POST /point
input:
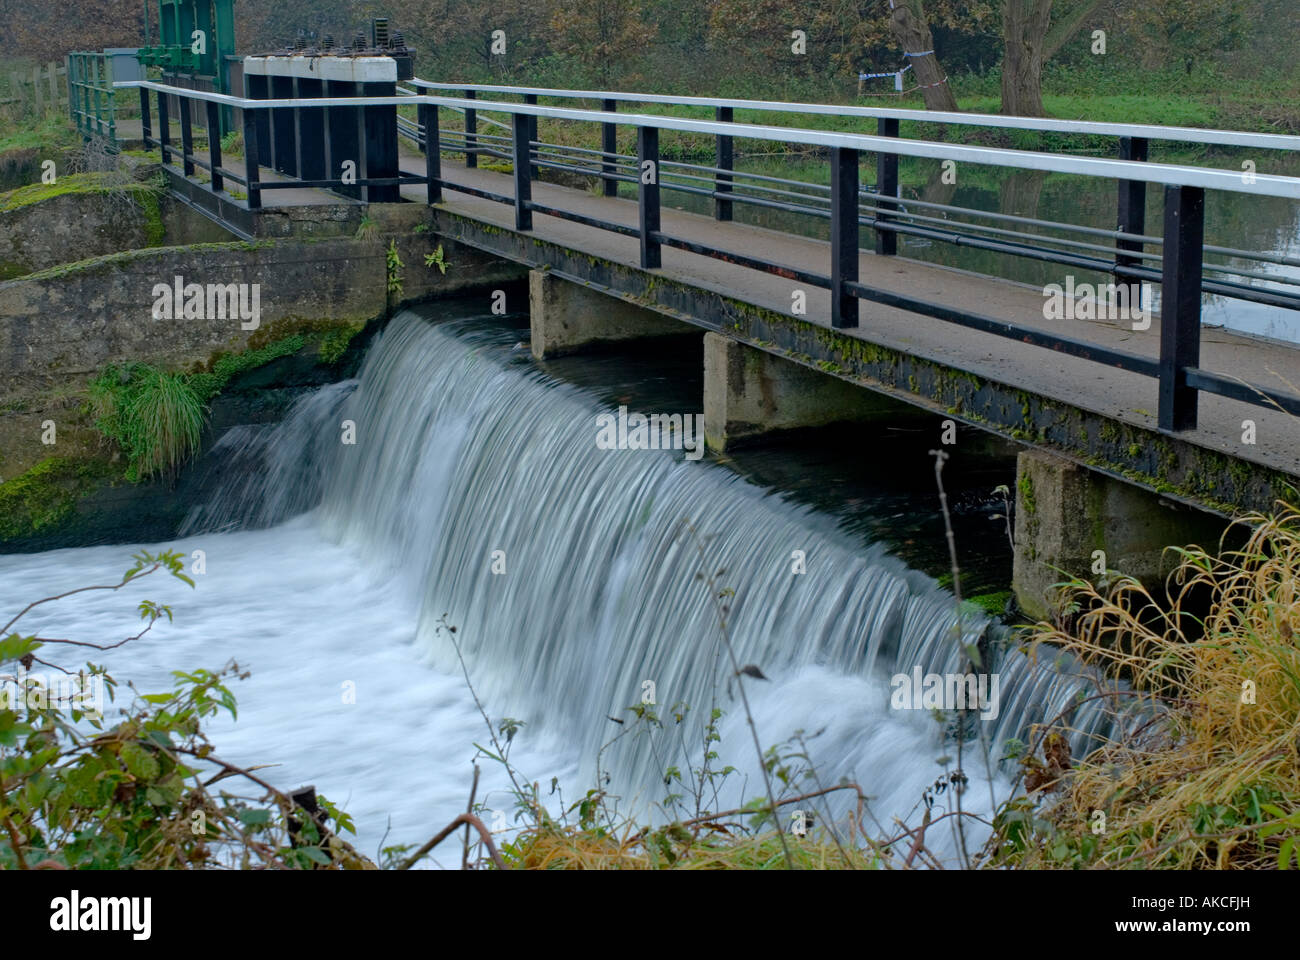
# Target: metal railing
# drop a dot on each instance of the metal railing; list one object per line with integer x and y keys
{"x": 1180, "y": 271}
{"x": 92, "y": 99}
{"x": 728, "y": 186}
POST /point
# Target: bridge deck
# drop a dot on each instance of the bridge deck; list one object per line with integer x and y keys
{"x": 1125, "y": 396}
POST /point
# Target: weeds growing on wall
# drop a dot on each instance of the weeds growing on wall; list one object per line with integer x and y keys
{"x": 154, "y": 416}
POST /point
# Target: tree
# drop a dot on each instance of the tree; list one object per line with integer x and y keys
{"x": 909, "y": 24}
{"x": 608, "y": 35}
{"x": 1186, "y": 30}
{"x": 1030, "y": 39}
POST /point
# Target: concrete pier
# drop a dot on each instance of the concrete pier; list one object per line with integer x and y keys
{"x": 1072, "y": 521}
{"x": 748, "y": 392}
{"x": 567, "y": 316}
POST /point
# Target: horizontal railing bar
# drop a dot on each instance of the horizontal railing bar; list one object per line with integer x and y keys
{"x": 404, "y": 179}
{"x": 1235, "y": 389}
{"x": 580, "y": 218}
{"x": 1229, "y": 180}
{"x": 476, "y": 192}
{"x": 1234, "y": 138}
{"x": 1075, "y": 348}
{"x": 754, "y": 263}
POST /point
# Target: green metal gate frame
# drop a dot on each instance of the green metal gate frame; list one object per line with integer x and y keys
{"x": 92, "y": 102}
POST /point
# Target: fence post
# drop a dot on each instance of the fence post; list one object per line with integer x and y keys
{"x": 432, "y": 152}
{"x": 214, "y": 145}
{"x": 471, "y": 128}
{"x": 36, "y": 91}
{"x": 722, "y": 181}
{"x": 145, "y": 132}
{"x": 609, "y": 146}
{"x": 164, "y": 129}
{"x": 1132, "y": 217}
{"x": 187, "y": 138}
{"x": 523, "y": 182}
{"x": 251, "y": 172}
{"x": 532, "y": 131}
{"x": 844, "y": 235}
{"x": 1180, "y": 305}
{"x": 54, "y": 84}
{"x": 886, "y": 186}
{"x": 647, "y": 155}
{"x": 99, "y": 96}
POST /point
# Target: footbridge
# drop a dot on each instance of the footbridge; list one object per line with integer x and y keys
{"x": 1107, "y": 376}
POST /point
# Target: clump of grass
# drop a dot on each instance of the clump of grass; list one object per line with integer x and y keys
{"x": 550, "y": 846}
{"x": 154, "y": 416}
{"x": 1211, "y": 777}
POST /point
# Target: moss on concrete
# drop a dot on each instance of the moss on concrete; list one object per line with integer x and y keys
{"x": 73, "y": 183}
{"x": 46, "y": 495}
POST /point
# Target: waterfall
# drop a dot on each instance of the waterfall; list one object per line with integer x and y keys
{"x": 464, "y": 461}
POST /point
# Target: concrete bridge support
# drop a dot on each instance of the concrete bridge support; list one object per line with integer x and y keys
{"x": 1072, "y": 519}
{"x": 748, "y": 392}
{"x": 567, "y": 316}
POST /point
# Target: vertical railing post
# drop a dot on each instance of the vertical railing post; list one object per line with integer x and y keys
{"x": 1180, "y": 305}
{"x": 145, "y": 125}
{"x": 532, "y": 131}
{"x": 432, "y": 152}
{"x": 844, "y": 235}
{"x": 647, "y": 155}
{"x": 164, "y": 129}
{"x": 609, "y": 147}
{"x": 722, "y": 181}
{"x": 251, "y": 172}
{"x": 886, "y": 186}
{"x": 1132, "y": 216}
{"x": 471, "y": 128}
{"x": 187, "y": 138}
{"x": 99, "y": 97}
{"x": 522, "y": 129}
{"x": 214, "y": 146}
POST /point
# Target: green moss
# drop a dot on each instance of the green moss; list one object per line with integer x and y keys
{"x": 1027, "y": 501}
{"x": 992, "y": 603}
{"x": 334, "y": 344}
{"x": 155, "y": 231}
{"x": 73, "y": 183}
{"x": 225, "y": 366}
{"x": 46, "y": 495}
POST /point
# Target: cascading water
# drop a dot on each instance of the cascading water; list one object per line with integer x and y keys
{"x": 464, "y": 461}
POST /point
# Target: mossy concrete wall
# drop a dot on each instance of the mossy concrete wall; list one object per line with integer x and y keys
{"x": 61, "y": 327}
{"x": 79, "y": 225}
{"x": 749, "y": 392}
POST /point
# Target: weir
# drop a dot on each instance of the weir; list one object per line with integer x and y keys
{"x": 569, "y": 572}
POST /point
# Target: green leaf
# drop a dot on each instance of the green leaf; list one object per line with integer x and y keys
{"x": 140, "y": 762}
{"x": 315, "y": 856}
{"x": 1284, "y": 855}
{"x": 252, "y": 818}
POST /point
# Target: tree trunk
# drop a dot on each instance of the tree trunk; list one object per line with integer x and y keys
{"x": 913, "y": 32}
{"x": 1024, "y": 26}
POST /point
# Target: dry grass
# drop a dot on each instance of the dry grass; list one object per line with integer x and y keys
{"x": 1211, "y": 778}
{"x": 554, "y": 847}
